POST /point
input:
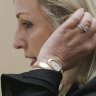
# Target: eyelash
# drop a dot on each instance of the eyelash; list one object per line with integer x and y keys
{"x": 27, "y": 24}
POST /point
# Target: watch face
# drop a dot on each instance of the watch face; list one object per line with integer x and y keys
{"x": 55, "y": 65}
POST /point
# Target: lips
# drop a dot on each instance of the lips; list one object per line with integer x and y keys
{"x": 33, "y": 61}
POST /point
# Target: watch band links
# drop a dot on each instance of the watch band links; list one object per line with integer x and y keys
{"x": 42, "y": 65}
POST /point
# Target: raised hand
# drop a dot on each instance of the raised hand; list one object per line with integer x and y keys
{"x": 70, "y": 44}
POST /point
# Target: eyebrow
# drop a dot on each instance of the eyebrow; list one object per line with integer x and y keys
{"x": 18, "y": 15}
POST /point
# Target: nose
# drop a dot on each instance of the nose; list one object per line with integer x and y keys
{"x": 19, "y": 42}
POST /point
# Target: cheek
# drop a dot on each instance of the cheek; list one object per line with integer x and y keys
{"x": 37, "y": 39}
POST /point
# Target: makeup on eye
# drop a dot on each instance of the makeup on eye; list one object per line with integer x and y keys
{"x": 27, "y": 24}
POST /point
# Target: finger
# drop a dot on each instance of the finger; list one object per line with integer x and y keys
{"x": 90, "y": 44}
{"x": 92, "y": 30}
{"x": 74, "y": 19}
{"x": 86, "y": 21}
{"x": 93, "y": 26}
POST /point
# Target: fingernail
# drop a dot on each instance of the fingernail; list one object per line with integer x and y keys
{"x": 82, "y": 9}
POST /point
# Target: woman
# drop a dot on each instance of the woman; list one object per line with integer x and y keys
{"x": 48, "y": 38}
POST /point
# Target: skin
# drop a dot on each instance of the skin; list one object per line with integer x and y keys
{"x": 33, "y": 27}
{"x": 69, "y": 37}
{"x": 35, "y": 40}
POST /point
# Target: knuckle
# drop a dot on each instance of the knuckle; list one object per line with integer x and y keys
{"x": 89, "y": 22}
{"x": 88, "y": 18}
{"x": 72, "y": 22}
{"x": 63, "y": 31}
{"x": 75, "y": 19}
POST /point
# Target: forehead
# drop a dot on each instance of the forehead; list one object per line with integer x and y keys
{"x": 26, "y": 6}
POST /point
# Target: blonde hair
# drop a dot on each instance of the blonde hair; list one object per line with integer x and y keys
{"x": 57, "y": 11}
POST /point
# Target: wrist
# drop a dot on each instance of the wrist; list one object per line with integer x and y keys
{"x": 49, "y": 63}
{"x": 41, "y": 65}
{"x": 46, "y": 58}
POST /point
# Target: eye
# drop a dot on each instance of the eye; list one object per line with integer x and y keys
{"x": 27, "y": 24}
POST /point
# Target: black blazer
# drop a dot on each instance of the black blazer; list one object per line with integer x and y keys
{"x": 41, "y": 83}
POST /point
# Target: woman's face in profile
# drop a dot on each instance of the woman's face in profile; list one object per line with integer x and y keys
{"x": 33, "y": 27}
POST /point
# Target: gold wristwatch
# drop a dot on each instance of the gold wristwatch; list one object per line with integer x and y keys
{"x": 51, "y": 64}
{"x": 55, "y": 64}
